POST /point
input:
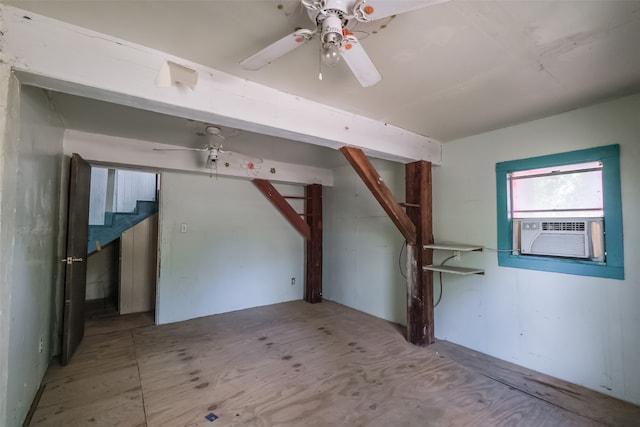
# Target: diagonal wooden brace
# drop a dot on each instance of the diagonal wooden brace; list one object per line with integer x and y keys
{"x": 381, "y": 192}
{"x": 283, "y": 206}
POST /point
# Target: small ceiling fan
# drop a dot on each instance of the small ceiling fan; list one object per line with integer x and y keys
{"x": 214, "y": 151}
{"x": 334, "y": 22}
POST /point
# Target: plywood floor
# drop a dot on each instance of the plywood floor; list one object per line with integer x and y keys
{"x": 296, "y": 364}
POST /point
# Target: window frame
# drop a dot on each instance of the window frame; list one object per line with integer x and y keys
{"x": 613, "y": 266}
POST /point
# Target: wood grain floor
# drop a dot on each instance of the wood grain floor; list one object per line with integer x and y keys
{"x": 296, "y": 364}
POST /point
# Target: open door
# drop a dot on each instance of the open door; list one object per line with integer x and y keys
{"x": 76, "y": 260}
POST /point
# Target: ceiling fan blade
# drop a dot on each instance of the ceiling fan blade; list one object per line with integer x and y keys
{"x": 180, "y": 149}
{"x": 378, "y": 9}
{"x": 360, "y": 63}
{"x": 275, "y": 50}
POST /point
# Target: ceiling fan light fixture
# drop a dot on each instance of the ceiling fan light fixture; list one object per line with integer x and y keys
{"x": 212, "y": 158}
{"x": 330, "y": 54}
{"x": 331, "y": 39}
{"x": 331, "y": 22}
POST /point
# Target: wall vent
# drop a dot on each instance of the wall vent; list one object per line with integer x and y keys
{"x": 563, "y": 226}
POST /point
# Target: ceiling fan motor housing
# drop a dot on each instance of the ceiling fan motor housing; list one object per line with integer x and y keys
{"x": 212, "y": 157}
{"x": 332, "y": 29}
{"x": 331, "y": 17}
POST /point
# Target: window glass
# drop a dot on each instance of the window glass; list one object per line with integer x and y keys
{"x": 563, "y": 191}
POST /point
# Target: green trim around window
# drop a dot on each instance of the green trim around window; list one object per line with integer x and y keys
{"x": 613, "y": 267}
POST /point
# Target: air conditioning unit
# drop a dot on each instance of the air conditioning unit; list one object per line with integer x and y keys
{"x": 561, "y": 237}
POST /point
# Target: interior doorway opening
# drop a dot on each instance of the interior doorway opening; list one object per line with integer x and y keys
{"x": 123, "y": 241}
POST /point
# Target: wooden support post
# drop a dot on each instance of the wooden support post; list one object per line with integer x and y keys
{"x": 283, "y": 206}
{"x": 313, "y": 271}
{"x": 416, "y": 227}
{"x": 381, "y": 192}
{"x": 310, "y": 228}
{"x": 420, "y": 329}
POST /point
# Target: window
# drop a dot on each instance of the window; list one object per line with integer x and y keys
{"x": 562, "y": 213}
{"x": 573, "y": 190}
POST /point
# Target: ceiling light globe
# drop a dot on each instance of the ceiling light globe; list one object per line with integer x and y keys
{"x": 330, "y": 54}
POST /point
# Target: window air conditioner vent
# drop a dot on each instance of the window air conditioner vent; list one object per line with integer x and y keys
{"x": 564, "y": 225}
{"x": 561, "y": 237}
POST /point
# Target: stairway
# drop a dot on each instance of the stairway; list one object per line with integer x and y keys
{"x": 116, "y": 223}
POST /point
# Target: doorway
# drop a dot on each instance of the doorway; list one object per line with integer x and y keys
{"x": 123, "y": 239}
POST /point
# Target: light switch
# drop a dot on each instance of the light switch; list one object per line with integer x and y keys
{"x": 183, "y": 227}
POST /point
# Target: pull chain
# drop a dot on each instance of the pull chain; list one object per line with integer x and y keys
{"x": 320, "y": 62}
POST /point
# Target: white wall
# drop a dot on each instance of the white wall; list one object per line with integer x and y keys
{"x": 132, "y": 186}
{"x": 362, "y": 246}
{"x": 103, "y": 269}
{"x": 238, "y": 251}
{"x": 9, "y": 133}
{"x": 98, "y": 195}
{"x": 581, "y": 329}
{"x": 34, "y": 267}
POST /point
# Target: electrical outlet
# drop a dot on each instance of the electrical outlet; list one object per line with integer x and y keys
{"x": 183, "y": 227}
{"x": 41, "y": 345}
{"x": 293, "y": 281}
{"x": 456, "y": 255}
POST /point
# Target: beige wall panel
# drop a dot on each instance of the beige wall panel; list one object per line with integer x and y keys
{"x": 138, "y": 267}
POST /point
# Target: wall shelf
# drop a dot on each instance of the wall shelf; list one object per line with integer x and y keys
{"x": 451, "y": 246}
{"x": 463, "y": 271}
{"x": 456, "y": 248}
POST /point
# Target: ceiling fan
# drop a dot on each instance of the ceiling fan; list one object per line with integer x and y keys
{"x": 334, "y": 22}
{"x": 214, "y": 151}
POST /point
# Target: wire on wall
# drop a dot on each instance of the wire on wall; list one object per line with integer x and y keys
{"x": 440, "y": 276}
{"x": 404, "y": 245}
{"x": 401, "y": 267}
{"x": 501, "y": 250}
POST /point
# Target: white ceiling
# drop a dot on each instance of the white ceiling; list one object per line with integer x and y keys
{"x": 450, "y": 70}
